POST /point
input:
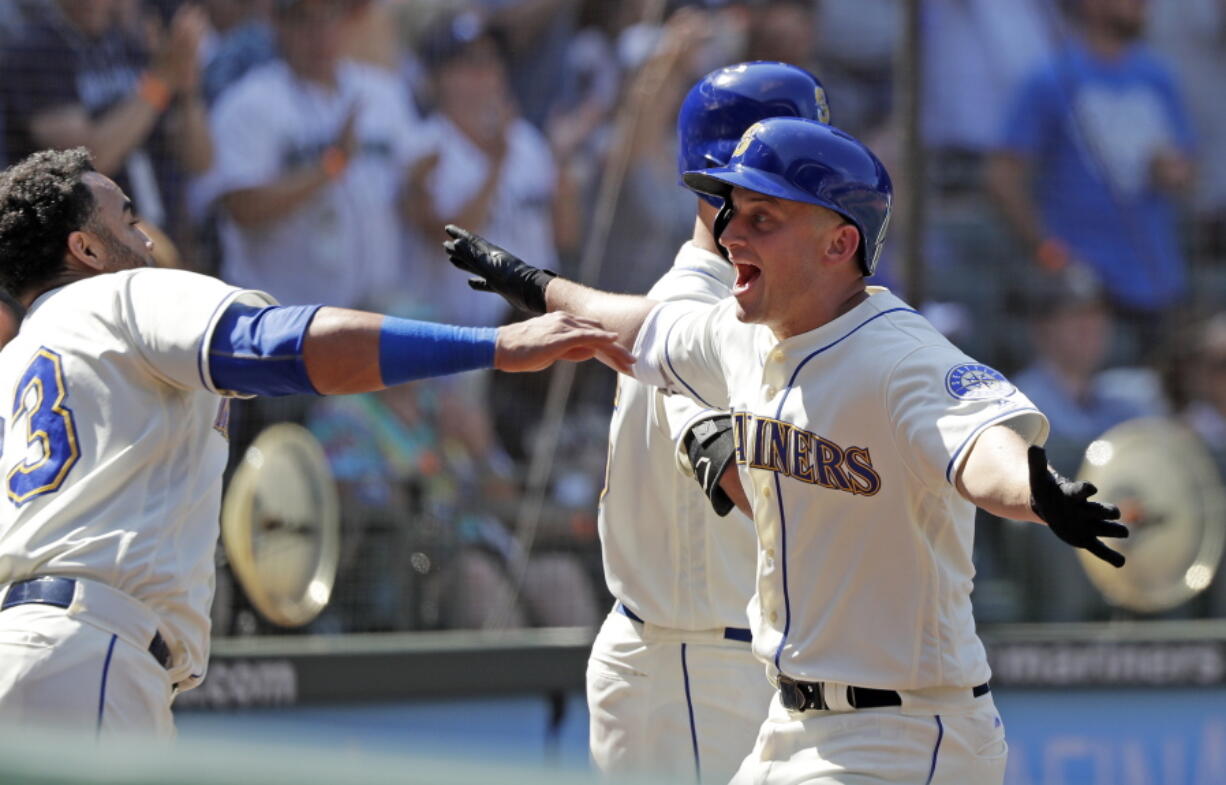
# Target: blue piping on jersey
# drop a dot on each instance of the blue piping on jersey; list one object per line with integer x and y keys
{"x": 689, "y": 705}
{"x": 932, "y": 770}
{"x": 106, "y": 669}
{"x": 1002, "y": 416}
{"x": 668, "y": 359}
{"x": 783, "y": 527}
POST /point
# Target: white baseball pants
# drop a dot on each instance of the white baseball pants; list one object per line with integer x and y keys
{"x": 961, "y": 746}
{"x": 83, "y": 669}
{"x": 685, "y": 706}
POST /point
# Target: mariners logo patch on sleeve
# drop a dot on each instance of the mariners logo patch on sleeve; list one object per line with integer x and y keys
{"x": 977, "y": 382}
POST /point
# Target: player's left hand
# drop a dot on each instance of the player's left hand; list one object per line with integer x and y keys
{"x": 498, "y": 270}
{"x": 1066, "y": 508}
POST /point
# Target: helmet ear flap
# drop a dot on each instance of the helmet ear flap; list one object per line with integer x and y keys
{"x": 722, "y": 218}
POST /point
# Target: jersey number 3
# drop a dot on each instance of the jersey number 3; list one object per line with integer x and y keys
{"x": 52, "y": 448}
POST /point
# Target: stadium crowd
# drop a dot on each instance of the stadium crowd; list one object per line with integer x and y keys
{"x": 1074, "y": 231}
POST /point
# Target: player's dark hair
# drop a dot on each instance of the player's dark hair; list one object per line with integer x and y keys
{"x": 42, "y": 201}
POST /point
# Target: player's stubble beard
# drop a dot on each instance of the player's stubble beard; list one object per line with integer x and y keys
{"x": 121, "y": 256}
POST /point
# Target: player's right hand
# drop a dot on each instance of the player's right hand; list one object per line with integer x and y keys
{"x": 1066, "y": 508}
{"x": 498, "y": 270}
{"x": 535, "y": 344}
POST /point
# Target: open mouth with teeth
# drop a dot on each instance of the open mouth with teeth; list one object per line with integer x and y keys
{"x": 746, "y": 275}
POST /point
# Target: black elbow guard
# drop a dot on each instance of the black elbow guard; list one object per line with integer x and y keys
{"x": 710, "y": 447}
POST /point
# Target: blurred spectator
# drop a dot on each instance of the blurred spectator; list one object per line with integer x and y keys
{"x": 537, "y": 33}
{"x": 857, "y": 42}
{"x": 242, "y": 39}
{"x": 1095, "y": 145}
{"x": 488, "y": 169}
{"x": 1197, "y": 386}
{"x": 75, "y": 77}
{"x": 1071, "y": 331}
{"x": 312, "y": 155}
{"x": 653, "y": 212}
{"x": 14, "y": 15}
{"x": 1202, "y": 390}
{"x": 975, "y": 53}
{"x": 1192, "y": 35}
{"x": 784, "y": 30}
{"x": 1070, "y": 328}
{"x": 427, "y": 491}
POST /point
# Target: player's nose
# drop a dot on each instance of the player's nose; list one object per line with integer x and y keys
{"x": 733, "y": 236}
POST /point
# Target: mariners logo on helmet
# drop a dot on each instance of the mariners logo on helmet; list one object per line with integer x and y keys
{"x": 743, "y": 145}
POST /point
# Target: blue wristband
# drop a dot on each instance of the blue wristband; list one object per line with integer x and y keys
{"x": 409, "y": 349}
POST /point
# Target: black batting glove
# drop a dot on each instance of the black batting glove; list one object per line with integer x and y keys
{"x": 498, "y": 270}
{"x": 710, "y": 447}
{"x": 1066, "y": 508}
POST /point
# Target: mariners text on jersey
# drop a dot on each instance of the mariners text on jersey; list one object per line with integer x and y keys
{"x": 764, "y": 443}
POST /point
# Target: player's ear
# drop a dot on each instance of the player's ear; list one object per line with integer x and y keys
{"x": 83, "y": 249}
{"x": 844, "y": 242}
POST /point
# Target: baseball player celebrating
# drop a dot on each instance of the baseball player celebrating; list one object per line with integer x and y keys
{"x": 864, "y": 441}
{"x": 672, "y": 684}
{"x": 114, "y": 438}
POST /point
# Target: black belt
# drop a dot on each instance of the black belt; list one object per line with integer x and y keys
{"x": 50, "y": 590}
{"x": 730, "y": 633}
{"x": 806, "y": 695}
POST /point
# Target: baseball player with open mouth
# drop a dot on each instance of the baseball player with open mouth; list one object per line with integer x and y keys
{"x": 672, "y": 683}
{"x": 864, "y": 440}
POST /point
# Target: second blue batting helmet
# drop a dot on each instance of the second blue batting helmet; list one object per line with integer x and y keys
{"x": 807, "y": 161}
{"x": 725, "y": 102}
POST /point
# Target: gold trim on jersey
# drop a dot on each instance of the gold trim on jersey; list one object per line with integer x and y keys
{"x": 30, "y": 413}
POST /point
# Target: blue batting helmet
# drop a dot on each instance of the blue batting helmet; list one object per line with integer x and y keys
{"x": 728, "y": 100}
{"x": 807, "y": 161}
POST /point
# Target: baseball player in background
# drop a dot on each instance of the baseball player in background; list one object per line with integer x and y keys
{"x": 864, "y": 440}
{"x": 114, "y": 438}
{"x": 673, "y": 687}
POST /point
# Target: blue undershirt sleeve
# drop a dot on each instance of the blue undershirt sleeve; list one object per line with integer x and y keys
{"x": 258, "y": 350}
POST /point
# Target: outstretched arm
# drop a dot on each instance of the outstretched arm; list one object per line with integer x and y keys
{"x": 278, "y": 350}
{"x": 1010, "y": 479}
{"x": 535, "y": 290}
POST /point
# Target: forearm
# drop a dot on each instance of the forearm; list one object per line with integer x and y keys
{"x": 620, "y": 313}
{"x": 995, "y": 475}
{"x": 1008, "y": 182}
{"x": 193, "y": 142}
{"x": 348, "y": 351}
{"x": 730, "y": 482}
{"x": 109, "y": 139}
{"x": 476, "y": 211}
{"x": 251, "y": 207}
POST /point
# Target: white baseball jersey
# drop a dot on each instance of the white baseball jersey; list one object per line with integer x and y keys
{"x": 667, "y": 555}
{"x": 849, "y": 437}
{"x": 520, "y": 216}
{"x": 343, "y": 244}
{"x": 115, "y": 442}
